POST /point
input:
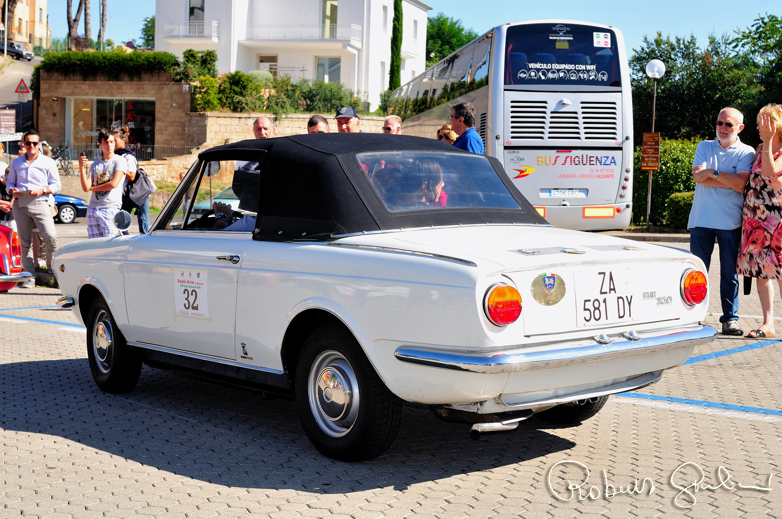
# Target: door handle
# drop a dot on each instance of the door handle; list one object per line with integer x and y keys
{"x": 233, "y": 258}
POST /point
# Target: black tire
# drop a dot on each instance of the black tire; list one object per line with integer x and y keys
{"x": 66, "y": 213}
{"x": 364, "y": 423}
{"x": 573, "y": 413}
{"x": 114, "y": 367}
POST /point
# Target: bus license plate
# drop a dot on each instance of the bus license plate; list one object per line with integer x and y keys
{"x": 604, "y": 296}
{"x": 567, "y": 193}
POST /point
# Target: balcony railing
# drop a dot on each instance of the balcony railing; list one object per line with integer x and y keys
{"x": 193, "y": 30}
{"x": 295, "y": 73}
{"x": 305, "y": 32}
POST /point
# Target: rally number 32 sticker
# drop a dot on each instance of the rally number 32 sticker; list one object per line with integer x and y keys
{"x": 190, "y": 293}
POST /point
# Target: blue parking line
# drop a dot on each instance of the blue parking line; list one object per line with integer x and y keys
{"x": 27, "y": 308}
{"x": 717, "y": 354}
{"x": 41, "y": 320}
{"x": 705, "y": 403}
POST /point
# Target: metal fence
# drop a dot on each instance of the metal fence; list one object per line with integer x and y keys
{"x": 142, "y": 151}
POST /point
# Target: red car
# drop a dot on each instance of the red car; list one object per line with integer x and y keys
{"x": 10, "y": 259}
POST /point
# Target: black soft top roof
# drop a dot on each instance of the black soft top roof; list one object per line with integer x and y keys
{"x": 312, "y": 186}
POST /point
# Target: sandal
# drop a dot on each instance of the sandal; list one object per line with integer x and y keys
{"x": 760, "y": 334}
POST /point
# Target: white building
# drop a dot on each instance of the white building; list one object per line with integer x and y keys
{"x": 333, "y": 40}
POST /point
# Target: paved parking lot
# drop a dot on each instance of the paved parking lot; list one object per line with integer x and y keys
{"x": 704, "y": 442}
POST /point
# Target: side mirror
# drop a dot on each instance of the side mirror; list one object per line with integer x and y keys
{"x": 122, "y": 220}
{"x": 212, "y": 168}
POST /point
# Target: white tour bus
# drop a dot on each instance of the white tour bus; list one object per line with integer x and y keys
{"x": 553, "y": 104}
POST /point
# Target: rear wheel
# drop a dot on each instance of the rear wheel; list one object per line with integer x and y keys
{"x": 346, "y": 410}
{"x": 66, "y": 213}
{"x": 113, "y": 365}
{"x": 573, "y": 413}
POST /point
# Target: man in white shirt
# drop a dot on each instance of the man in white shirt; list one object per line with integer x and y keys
{"x": 32, "y": 178}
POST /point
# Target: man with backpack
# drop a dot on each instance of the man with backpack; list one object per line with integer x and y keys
{"x": 132, "y": 177}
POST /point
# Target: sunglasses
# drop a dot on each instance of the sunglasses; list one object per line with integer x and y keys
{"x": 440, "y": 137}
{"x": 31, "y": 143}
{"x": 729, "y": 125}
{"x": 387, "y": 129}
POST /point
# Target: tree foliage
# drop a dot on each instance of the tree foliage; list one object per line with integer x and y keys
{"x": 697, "y": 84}
{"x": 194, "y": 64}
{"x": 445, "y": 35}
{"x": 762, "y": 44}
{"x": 148, "y": 33}
{"x": 395, "y": 72}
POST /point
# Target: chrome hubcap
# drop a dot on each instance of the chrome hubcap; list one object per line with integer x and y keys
{"x": 102, "y": 342}
{"x": 333, "y": 393}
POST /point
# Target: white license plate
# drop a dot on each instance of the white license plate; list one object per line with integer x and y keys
{"x": 567, "y": 193}
{"x": 605, "y": 296}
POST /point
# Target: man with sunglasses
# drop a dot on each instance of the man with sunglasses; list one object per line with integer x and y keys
{"x": 720, "y": 170}
{"x": 393, "y": 125}
{"x": 32, "y": 178}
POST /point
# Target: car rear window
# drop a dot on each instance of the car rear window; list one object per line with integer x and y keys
{"x": 411, "y": 181}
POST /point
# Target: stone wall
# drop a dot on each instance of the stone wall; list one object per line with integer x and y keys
{"x": 207, "y": 129}
{"x": 172, "y": 103}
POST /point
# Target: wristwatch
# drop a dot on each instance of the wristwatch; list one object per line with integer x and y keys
{"x": 716, "y": 174}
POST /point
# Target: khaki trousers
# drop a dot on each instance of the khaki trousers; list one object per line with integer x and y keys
{"x": 36, "y": 214}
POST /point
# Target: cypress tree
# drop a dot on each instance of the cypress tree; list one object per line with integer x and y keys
{"x": 395, "y": 73}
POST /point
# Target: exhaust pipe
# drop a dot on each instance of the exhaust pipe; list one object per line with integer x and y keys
{"x": 479, "y": 428}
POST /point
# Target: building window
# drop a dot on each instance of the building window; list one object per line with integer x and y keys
{"x": 385, "y": 19}
{"x": 383, "y": 77}
{"x": 328, "y": 70}
{"x": 40, "y": 15}
{"x": 415, "y": 30}
{"x": 329, "y": 19}
{"x": 268, "y": 63}
{"x": 195, "y": 18}
{"x": 136, "y": 116}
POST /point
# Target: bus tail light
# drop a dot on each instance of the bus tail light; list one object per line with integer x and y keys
{"x": 502, "y": 304}
{"x": 16, "y": 251}
{"x": 694, "y": 287}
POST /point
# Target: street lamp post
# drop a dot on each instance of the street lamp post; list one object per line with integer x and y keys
{"x": 655, "y": 70}
{"x": 130, "y": 38}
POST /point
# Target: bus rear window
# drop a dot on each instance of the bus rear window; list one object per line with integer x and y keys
{"x": 561, "y": 54}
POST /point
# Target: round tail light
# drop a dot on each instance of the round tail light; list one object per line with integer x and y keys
{"x": 502, "y": 304}
{"x": 694, "y": 287}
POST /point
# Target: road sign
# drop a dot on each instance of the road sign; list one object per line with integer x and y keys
{"x": 650, "y": 152}
{"x": 21, "y": 88}
{"x": 10, "y": 137}
{"x": 7, "y": 121}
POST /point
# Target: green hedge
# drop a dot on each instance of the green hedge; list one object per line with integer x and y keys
{"x": 674, "y": 176}
{"x": 677, "y": 209}
{"x": 113, "y": 64}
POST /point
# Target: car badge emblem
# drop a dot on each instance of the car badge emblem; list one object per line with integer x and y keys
{"x": 549, "y": 282}
{"x": 548, "y": 288}
{"x": 529, "y": 252}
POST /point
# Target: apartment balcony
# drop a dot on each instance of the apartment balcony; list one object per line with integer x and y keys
{"x": 192, "y": 32}
{"x": 351, "y": 34}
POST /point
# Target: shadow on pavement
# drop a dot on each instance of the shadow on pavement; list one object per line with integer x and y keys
{"x": 232, "y": 437}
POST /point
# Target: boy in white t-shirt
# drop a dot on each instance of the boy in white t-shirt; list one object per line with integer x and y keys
{"x": 105, "y": 184}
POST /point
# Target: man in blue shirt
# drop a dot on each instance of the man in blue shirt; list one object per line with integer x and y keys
{"x": 720, "y": 170}
{"x": 463, "y": 122}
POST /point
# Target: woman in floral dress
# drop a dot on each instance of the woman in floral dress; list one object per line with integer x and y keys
{"x": 761, "y": 242}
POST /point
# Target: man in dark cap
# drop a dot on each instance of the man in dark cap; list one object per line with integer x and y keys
{"x": 348, "y": 120}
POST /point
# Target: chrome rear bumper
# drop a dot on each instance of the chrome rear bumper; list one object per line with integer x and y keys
{"x": 15, "y": 278}
{"x": 573, "y": 353}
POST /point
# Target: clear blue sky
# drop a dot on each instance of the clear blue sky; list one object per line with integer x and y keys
{"x": 634, "y": 19}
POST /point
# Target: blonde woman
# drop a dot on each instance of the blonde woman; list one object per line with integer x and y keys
{"x": 446, "y": 133}
{"x": 760, "y": 255}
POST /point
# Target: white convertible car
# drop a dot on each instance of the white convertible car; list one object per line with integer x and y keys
{"x": 380, "y": 270}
